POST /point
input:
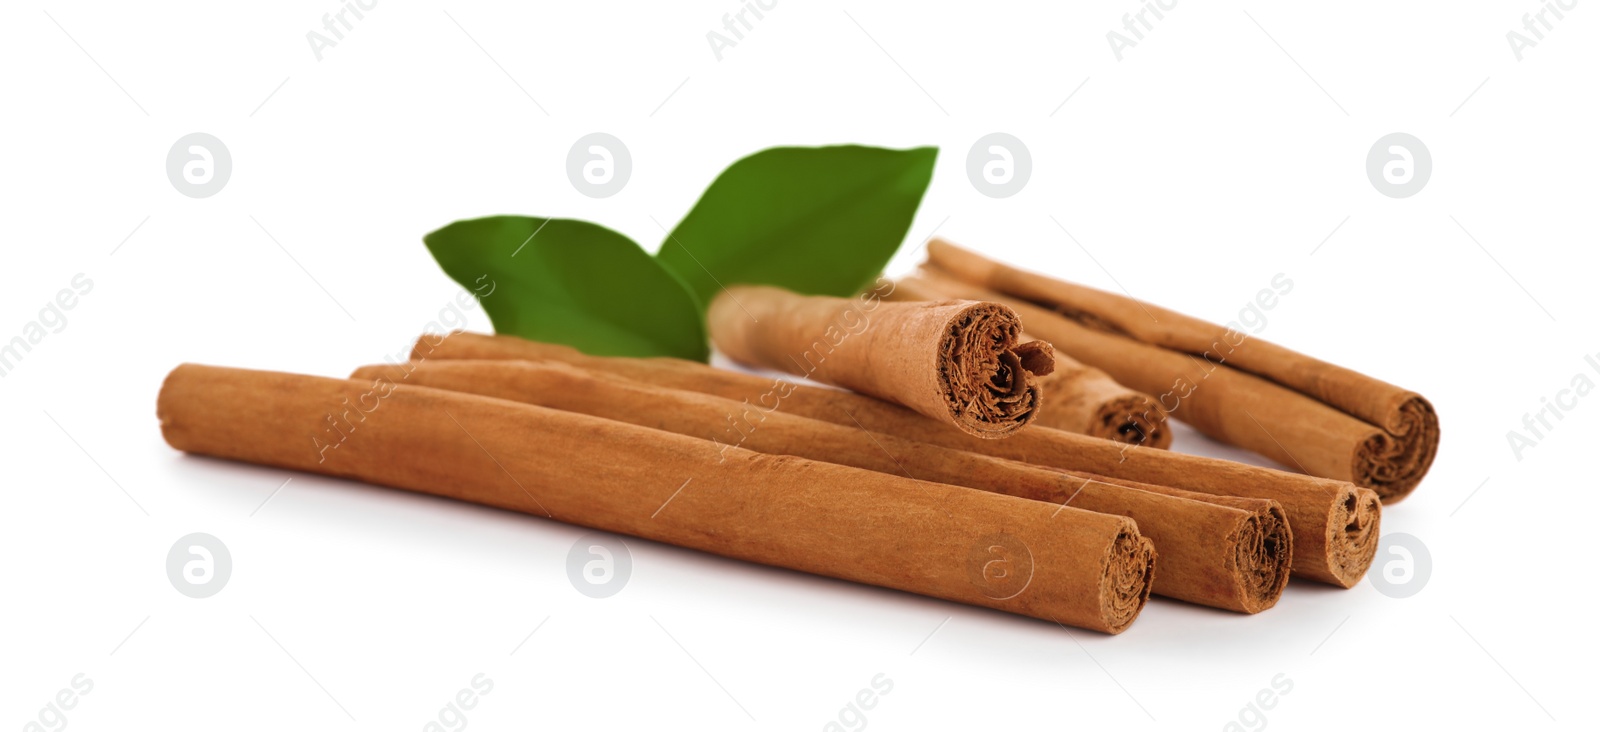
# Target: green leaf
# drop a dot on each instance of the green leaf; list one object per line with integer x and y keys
{"x": 571, "y": 282}
{"x": 816, "y": 220}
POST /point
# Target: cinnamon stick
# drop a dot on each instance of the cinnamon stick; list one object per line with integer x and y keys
{"x": 1334, "y": 523}
{"x": 1080, "y": 568}
{"x": 1084, "y": 399}
{"x": 957, "y": 362}
{"x": 1325, "y": 419}
{"x": 1230, "y": 553}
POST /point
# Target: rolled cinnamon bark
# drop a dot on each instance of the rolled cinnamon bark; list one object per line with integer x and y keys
{"x": 1344, "y": 425}
{"x": 1334, "y": 523}
{"x": 1082, "y": 399}
{"x": 1230, "y": 553}
{"x": 1080, "y": 568}
{"x": 957, "y": 362}
{"x": 1086, "y": 401}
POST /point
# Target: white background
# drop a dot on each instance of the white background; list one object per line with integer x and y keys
{"x": 1190, "y": 172}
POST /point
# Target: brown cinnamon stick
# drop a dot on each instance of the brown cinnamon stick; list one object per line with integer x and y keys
{"x": 1231, "y": 553}
{"x": 1081, "y": 398}
{"x": 1334, "y": 523}
{"x": 1325, "y": 419}
{"x": 957, "y": 362}
{"x": 1077, "y": 567}
{"x": 1086, "y": 401}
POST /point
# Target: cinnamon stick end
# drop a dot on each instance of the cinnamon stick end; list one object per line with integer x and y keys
{"x": 1132, "y": 419}
{"x": 1352, "y": 535}
{"x": 1394, "y": 462}
{"x": 1262, "y": 558}
{"x": 989, "y": 389}
{"x": 1130, "y": 573}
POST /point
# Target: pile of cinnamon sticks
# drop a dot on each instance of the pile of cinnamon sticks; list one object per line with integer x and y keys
{"x": 934, "y": 468}
{"x": 1321, "y": 418}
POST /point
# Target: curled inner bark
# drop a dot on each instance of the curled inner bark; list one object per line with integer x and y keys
{"x": 1353, "y": 534}
{"x": 983, "y": 370}
{"x": 1393, "y": 462}
{"x": 1130, "y": 573}
{"x": 1262, "y": 558}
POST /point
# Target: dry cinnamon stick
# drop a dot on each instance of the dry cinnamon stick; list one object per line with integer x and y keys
{"x": 1083, "y": 399}
{"x": 1080, "y": 568}
{"x": 1231, "y": 553}
{"x": 957, "y": 362}
{"x": 1326, "y": 419}
{"x": 1334, "y": 523}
